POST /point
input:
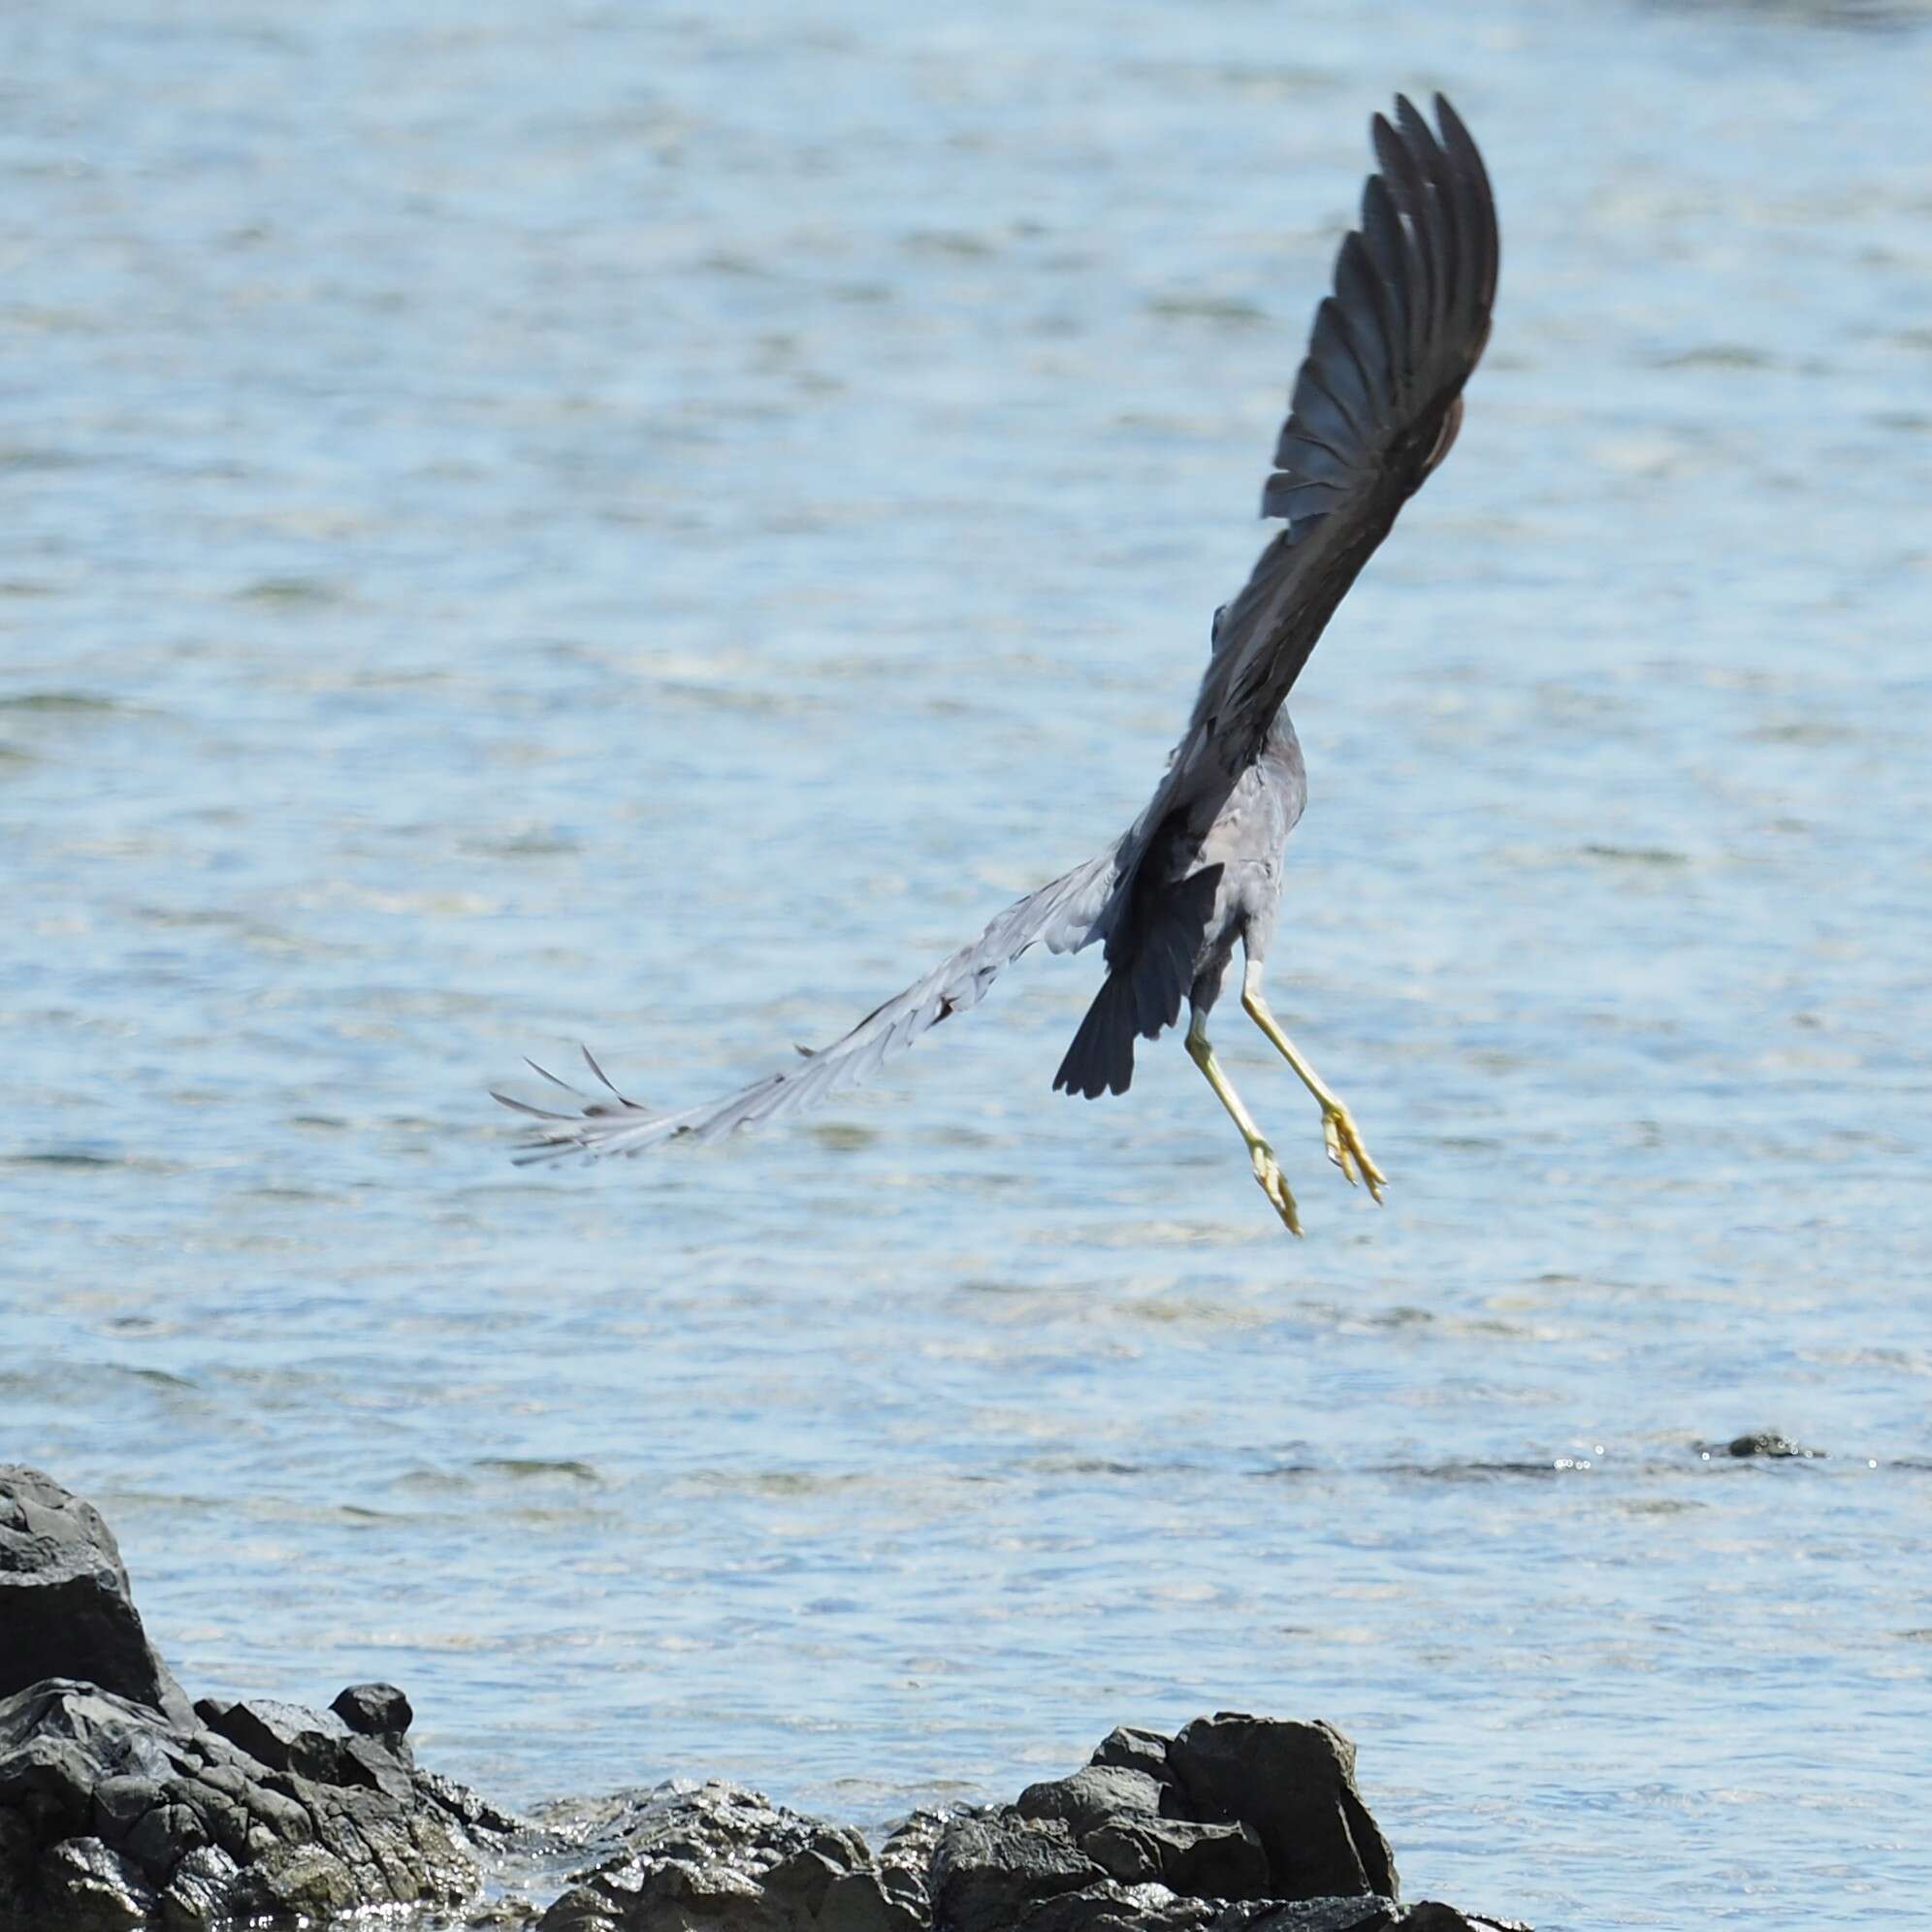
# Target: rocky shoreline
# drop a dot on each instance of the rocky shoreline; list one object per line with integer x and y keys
{"x": 124, "y": 1806}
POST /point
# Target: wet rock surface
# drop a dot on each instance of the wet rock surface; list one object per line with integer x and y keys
{"x": 112, "y": 1815}
{"x": 1234, "y": 1824}
{"x": 719, "y": 1855}
{"x": 65, "y": 1606}
{"x": 1293, "y": 1787}
{"x": 123, "y": 1807}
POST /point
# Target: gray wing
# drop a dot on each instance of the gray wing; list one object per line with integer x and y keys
{"x": 1374, "y": 409}
{"x": 1059, "y": 916}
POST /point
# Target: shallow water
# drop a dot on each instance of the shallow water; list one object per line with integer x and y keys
{"x": 525, "y": 525}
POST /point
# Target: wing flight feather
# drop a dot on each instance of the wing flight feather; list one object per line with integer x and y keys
{"x": 1059, "y": 915}
{"x": 1375, "y": 408}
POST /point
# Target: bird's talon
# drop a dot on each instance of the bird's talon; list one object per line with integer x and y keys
{"x": 1275, "y": 1184}
{"x": 1349, "y": 1151}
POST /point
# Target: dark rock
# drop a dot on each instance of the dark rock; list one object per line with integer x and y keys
{"x": 1293, "y": 1784}
{"x": 375, "y": 1710}
{"x": 1131, "y": 1749}
{"x": 111, "y": 1816}
{"x": 1108, "y": 1907}
{"x": 1236, "y": 1825}
{"x": 90, "y": 1888}
{"x": 285, "y": 1737}
{"x": 475, "y": 1816}
{"x": 1185, "y": 1855}
{"x": 1768, "y": 1442}
{"x": 1114, "y": 1908}
{"x": 121, "y": 1803}
{"x": 198, "y": 1892}
{"x": 1113, "y": 1847}
{"x": 1090, "y": 1797}
{"x": 122, "y": 1806}
{"x": 990, "y": 1873}
{"x": 1112, "y": 1814}
{"x": 724, "y": 1858}
{"x": 164, "y": 1836}
{"x": 905, "y": 1861}
{"x": 311, "y": 1744}
{"x": 1432, "y": 1915}
{"x": 65, "y": 1603}
{"x": 1368, "y": 1914}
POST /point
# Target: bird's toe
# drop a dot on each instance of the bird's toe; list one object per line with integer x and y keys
{"x": 1348, "y": 1149}
{"x": 1275, "y": 1184}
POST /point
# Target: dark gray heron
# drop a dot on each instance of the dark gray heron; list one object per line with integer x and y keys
{"x": 1376, "y": 409}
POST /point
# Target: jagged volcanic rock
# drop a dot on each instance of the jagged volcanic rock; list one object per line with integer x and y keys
{"x": 122, "y": 1808}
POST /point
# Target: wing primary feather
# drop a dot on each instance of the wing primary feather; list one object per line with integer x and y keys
{"x": 603, "y": 1078}
{"x": 1373, "y": 410}
{"x": 1357, "y": 365}
{"x": 1387, "y": 246}
{"x": 1308, "y": 455}
{"x": 1437, "y": 216}
{"x": 1296, "y": 498}
{"x": 1334, "y": 360}
{"x": 524, "y": 1106}
{"x": 1365, "y": 314}
{"x": 1479, "y": 204}
{"x": 1321, "y": 412}
{"x": 1398, "y": 169}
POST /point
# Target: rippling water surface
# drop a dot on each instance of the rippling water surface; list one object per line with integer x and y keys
{"x": 525, "y": 524}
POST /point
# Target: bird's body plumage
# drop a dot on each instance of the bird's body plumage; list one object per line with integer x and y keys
{"x": 1195, "y": 896}
{"x": 1374, "y": 408}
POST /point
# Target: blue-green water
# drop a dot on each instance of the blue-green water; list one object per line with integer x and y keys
{"x": 524, "y": 523}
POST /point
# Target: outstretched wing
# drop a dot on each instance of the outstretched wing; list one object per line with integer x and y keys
{"x": 1376, "y": 409}
{"x": 1059, "y": 916}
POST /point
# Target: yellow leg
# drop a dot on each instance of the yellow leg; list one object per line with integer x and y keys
{"x": 1345, "y": 1146}
{"x": 1267, "y": 1170}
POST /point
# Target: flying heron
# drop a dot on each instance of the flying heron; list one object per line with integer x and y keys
{"x": 1375, "y": 408}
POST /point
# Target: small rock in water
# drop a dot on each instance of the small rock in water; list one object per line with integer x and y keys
{"x": 1769, "y": 1443}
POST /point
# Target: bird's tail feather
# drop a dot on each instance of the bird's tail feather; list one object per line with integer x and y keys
{"x": 1101, "y": 1058}
{"x": 1142, "y": 992}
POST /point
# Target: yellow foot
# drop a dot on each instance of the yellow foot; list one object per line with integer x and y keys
{"x": 1349, "y": 1152}
{"x": 1267, "y": 1171}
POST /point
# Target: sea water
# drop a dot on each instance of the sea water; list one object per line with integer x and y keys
{"x": 646, "y": 526}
